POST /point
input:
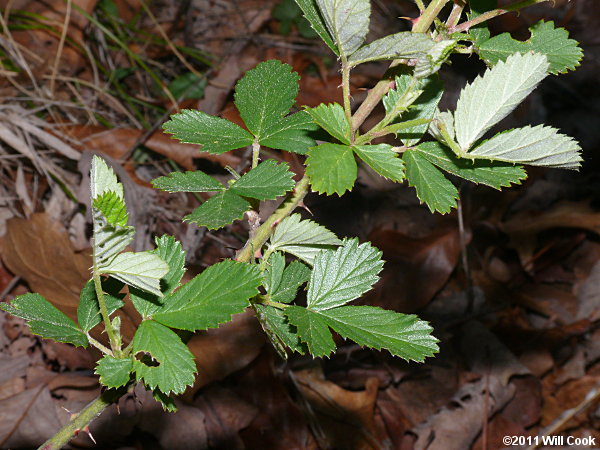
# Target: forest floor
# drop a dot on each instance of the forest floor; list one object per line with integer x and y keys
{"x": 510, "y": 281}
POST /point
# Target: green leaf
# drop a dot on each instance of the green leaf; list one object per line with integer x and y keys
{"x": 312, "y": 330}
{"x": 267, "y": 181}
{"x": 403, "y": 45}
{"x": 176, "y": 368}
{"x": 382, "y": 159}
{"x": 445, "y": 119}
{"x": 292, "y": 133}
{"x": 114, "y": 372}
{"x": 45, "y": 320}
{"x": 214, "y": 134}
{"x": 109, "y": 240}
{"x": 493, "y": 174}
{"x": 406, "y": 91}
{"x": 279, "y": 330}
{"x": 294, "y": 275}
{"x": 424, "y": 107}
{"x": 219, "y": 210}
{"x": 342, "y": 275}
{"x": 536, "y": 146}
{"x": 563, "y": 53}
{"x": 480, "y": 33}
{"x": 167, "y": 403}
{"x": 433, "y": 188}
{"x": 88, "y": 311}
{"x": 332, "y": 119}
{"x": 302, "y": 238}
{"x": 142, "y": 270}
{"x": 212, "y": 297}
{"x": 491, "y": 97}
{"x": 347, "y": 22}
{"x": 265, "y": 94}
{"x": 171, "y": 252}
{"x": 311, "y": 13}
{"x": 403, "y": 335}
{"x": 103, "y": 179}
{"x": 188, "y": 182}
{"x": 331, "y": 168}
{"x": 112, "y": 208}
{"x": 274, "y": 271}
{"x": 431, "y": 62}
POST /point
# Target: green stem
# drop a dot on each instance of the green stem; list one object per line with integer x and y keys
{"x": 454, "y": 16}
{"x": 263, "y": 233}
{"x": 99, "y": 346}
{"x": 115, "y": 343}
{"x": 83, "y": 419}
{"x": 255, "y": 153}
{"x": 346, "y": 93}
{"x": 382, "y": 87}
{"x": 465, "y": 26}
{"x": 267, "y": 302}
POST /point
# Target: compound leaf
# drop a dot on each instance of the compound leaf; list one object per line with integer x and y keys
{"x": 493, "y": 174}
{"x": 176, "y": 368}
{"x": 265, "y": 94}
{"x": 342, "y": 275}
{"x": 491, "y": 97}
{"x": 406, "y": 45}
{"x": 142, "y": 270}
{"x": 214, "y": 134}
{"x": 211, "y": 298}
{"x": 302, "y": 238}
{"x": 331, "y": 118}
{"x": 114, "y": 372}
{"x": 347, "y": 22}
{"x": 219, "y": 210}
{"x": 267, "y": 181}
{"x": 195, "y": 181}
{"x": 312, "y": 330}
{"x": 433, "y": 188}
{"x": 382, "y": 159}
{"x": 311, "y": 13}
{"x": 563, "y": 53}
{"x": 403, "y": 335}
{"x": 331, "y": 168}
{"x": 292, "y": 133}
{"x": 45, "y": 320}
{"x": 536, "y": 146}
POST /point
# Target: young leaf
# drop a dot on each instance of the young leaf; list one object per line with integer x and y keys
{"x": 431, "y": 62}
{"x": 302, "y": 238}
{"x": 312, "y": 330}
{"x": 433, "y": 188}
{"x": 267, "y": 181}
{"x": 342, "y": 275}
{"x": 331, "y": 168}
{"x": 424, "y": 107}
{"x": 142, "y": 270}
{"x": 491, "y": 97}
{"x": 219, "y": 210}
{"x": 109, "y": 240}
{"x": 188, "y": 182}
{"x": 211, "y": 298}
{"x": 171, "y": 252}
{"x": 382, "y": 159}
{"x": 176, "y": 368}
{"x": 114, "y": 372}
{"x": 167, "y": 403}
{"x": 88, "y": 311}
{"x": 294, "y": 275}
{"x": 405, "y": 45}
{"x": 347, "y": 22}
{"x": 45, "y": 320}
{"x": 265, "y": 94}
{"x": 536, "y": 146}
{"x": 112, "y": 208}
{"x": 292, "y": 133}
{"x": 332, "y": 119}
{"x": 403, "y": 335}
{"x": 493, "y": 174}
{"x": 311, "y": 13}
{"x": 442, "y": 119}
{"x": 563, "y": 53}
{"x": 103, "y": 179}
{"x": 214, "y": 134}
{"x": 279, "y": 329}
